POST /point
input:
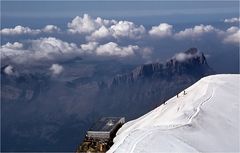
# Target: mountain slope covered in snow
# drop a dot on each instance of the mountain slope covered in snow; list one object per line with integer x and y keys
{"x": 206, "y": 119}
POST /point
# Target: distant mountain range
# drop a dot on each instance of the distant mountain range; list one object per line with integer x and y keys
{"x": 39, "y": 110}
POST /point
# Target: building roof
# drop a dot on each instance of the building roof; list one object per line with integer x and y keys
{"x": 106, "y": 124}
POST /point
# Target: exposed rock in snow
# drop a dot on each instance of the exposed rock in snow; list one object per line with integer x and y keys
{"x": 206, "y": 119}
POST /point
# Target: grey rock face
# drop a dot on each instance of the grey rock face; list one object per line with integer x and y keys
{"x": 195, "y": 64}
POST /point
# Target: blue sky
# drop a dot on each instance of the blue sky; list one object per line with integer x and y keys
{"x": 115, "y": 9}
{"x": 38, "y": 13}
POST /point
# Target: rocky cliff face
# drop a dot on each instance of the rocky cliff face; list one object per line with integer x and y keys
{"x": 190, "y": 62}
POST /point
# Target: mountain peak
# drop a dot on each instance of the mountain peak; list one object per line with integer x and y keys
{"x": 190, "y": 62}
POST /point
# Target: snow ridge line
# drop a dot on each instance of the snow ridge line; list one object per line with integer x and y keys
{"x": 201, "y": 104}
{"x": 141, "y": 137}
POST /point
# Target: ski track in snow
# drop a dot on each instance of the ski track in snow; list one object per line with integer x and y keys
{"x": 208, "y": 94}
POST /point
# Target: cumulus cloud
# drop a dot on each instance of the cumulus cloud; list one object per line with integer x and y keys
{"x": 113, "y": 49}
{"x": 102, "y": 32}
{"x": 232, "y": 36}
{"x": 89, "y": 47}
{"x": 51, "y": 29}
{"x": 56, "y": 69}
{"x": 99, "y": 28}
{"x": 162, "y": 30}
{"x": 18, "y": 30}
{"x": 51, "y": 48}
{"x": 82, "y": 25}
{"x": 15, "y": 45}
{"x": 87, "y": 24}
{"x": 9, "y": 70}
{"x": 232, "y": 20}
{"x": 12, "y": 50}
{"x": 122, "y": 29}
{"x": 43, "y": 48}
{"x": 51, "y": 45}
{"x": 195, "y": 32}
{"x": 127, "y": 29}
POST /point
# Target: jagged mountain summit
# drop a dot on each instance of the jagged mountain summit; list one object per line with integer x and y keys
{"x": 190, "y": 62}
{"x": 205, "y": 119}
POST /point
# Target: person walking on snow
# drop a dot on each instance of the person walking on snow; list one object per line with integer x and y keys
{"x": 184, "y": 92}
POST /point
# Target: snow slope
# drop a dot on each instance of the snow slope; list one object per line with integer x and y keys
{"x": 206, "y": 119}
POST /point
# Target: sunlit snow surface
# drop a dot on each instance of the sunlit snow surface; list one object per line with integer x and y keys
{"x": 206, "y": 119}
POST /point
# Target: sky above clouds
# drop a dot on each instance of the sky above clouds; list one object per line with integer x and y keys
{"x": 137, "y": 11}
{"x": 114, "y": 9}
{"x": 138, "y": 30}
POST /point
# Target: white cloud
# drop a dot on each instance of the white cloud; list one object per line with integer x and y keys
{"x": 15, "y": 45}
{"x": 89, "y": 47}
{"x": 52, "y": 45}
{"x": 55, "y": 49}
{"x": 18, "y": 30}
{"x": 56, "y": 69}
{"x": 105, "y": 22}
{"x": 127, "y": 29}
{"x": 82, "y": 25}
{"x": 9, "y": 70}
{"x": 86, "y": 25}
{"x": 102, "y": 32}
{"x": 182, "y": 57}
{"x": 162, "y": 30}
{"x": 232, "y": 30}
{"x": 99, "y": 28}
{"x": 51, "y": 29}
{"x": 232, "y": 20}
{"x": 40, "y": 49}
{"x": 232, "y": 36}
{"x": 113, "y": 49}
{"x": 195, "y": 32}
{"x": 13, "y": 50}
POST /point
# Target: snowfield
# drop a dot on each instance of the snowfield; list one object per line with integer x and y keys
{"x": 206, "y": 119}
